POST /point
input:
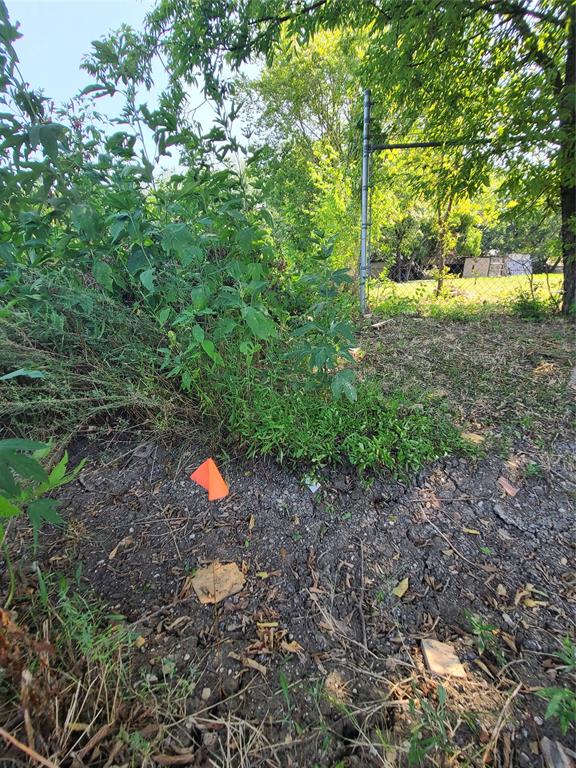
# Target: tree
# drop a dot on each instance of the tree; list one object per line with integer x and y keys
{"x": 298, "y": 114}
{"x": 498, "y": 69}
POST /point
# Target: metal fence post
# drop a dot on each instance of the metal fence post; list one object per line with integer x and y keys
{"x": 363, "y": 268}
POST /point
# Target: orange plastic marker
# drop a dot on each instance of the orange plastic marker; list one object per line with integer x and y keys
{"x": 208, "y": 476}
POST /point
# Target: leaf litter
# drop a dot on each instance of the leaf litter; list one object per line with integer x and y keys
{"x": 241, "y": 601}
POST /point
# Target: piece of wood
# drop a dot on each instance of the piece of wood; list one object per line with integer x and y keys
{"x": 217, "y": 582}
{"x": 554, "y": 754}
{"x": 441, "y": 659}
{"x": 507, "y": 486}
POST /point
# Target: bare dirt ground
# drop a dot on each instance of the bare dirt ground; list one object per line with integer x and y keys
{"x": 317, "y": 661}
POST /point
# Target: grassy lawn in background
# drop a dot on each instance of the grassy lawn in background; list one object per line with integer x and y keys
{"x": 466, "y": 298}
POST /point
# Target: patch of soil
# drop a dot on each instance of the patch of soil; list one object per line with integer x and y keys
{"x": 316, "y": 660}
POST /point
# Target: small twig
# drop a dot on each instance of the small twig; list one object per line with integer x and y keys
{"x": 380, "y": 323}
{"x": 32, "y": 754}
{"x": 499, "y": 725}
{"x": 361, "y": 599}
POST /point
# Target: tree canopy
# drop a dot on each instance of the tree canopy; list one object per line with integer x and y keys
{"x": 502, "y": 70}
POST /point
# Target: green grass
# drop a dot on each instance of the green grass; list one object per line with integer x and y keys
{"x": 400, "y": 432}
{"x": 467, "y": 298}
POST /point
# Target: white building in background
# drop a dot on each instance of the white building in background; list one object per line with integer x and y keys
{"x": 496, "y": 264}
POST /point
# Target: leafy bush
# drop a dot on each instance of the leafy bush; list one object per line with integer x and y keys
{"x": 24, "y": 484}
{"x": 165, "y": 301}
{"x": 530, "y": 306}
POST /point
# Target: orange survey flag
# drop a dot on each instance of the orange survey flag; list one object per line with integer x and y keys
{"x": 208, "y": 476}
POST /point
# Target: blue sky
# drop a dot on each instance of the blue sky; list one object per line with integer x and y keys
{"x": 58, "y": 33}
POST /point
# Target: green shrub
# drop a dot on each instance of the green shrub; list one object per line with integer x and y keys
{"x": 530, "y": 306}
{"x": 375, "y": 431}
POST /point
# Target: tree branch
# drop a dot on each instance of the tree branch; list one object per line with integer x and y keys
{"x": 288, "y": 16}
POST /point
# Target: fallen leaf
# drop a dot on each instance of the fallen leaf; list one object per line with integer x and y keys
{"x": 501, "y": 590}
{"x": 248, "y": 662}
{"x": 473, "y": 437}
{"x": 471, "y": 531}
{"x": 483, "y": 667}
{"x": 509, "y": 640}
{"x": 291, "y": 647}
{"x": 251, "y": 522}
{"x": 401, "y": 588}
{"x": 184, "y": 759}
{"x": 441, "y": 659}
{"x": 216, "y": 582}
{"x": 122, "y": 543}
{"x": 140, "y": 641}
{"x": 529, "y": 603}
{"x": 506, "y": 485}
{"x": 262, "y": 574}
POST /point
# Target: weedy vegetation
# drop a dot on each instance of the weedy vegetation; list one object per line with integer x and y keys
{"x": 217, "y": 301}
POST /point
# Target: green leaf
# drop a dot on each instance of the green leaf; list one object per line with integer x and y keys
{"x": 40, "y": 511}
{"x": 58, "y": 472}
{"x": 17, "y": 444}
{"x": 260, "y": 324}
{"x": 103, "y": 274}
{"x": 24, "y": 373}
{"x": 199, "y": 296}
{"x": 85, "y": 220}
{"x": 25, "y": 466}
{"x": 7, "y": 482}
{"x": 163, "y": 315}
{"x": 209, "y": 348}
{"x": 7, "y": 509}
{"x": 224, "y": 327}
{"x": 198, "y": 333}
{"x": 246, "y": 239}
{"x": 147, "y": 280}
{"x": 48, "y": 134}
{"x": 136, "y": 261}
{"x": 343, "y": 384}
{"x": 178, "y": 239}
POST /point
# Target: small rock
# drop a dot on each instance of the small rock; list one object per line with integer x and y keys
{"x": 206, "y": 694}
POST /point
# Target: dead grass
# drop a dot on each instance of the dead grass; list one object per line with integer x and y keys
{"x": 504, "y": 377}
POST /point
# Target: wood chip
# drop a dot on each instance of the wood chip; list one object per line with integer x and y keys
{"x": 441, "y": 659}
{"x": 186, "y": 759}
{"x": 506, "y": 485}
{"x": 217, "y": 582}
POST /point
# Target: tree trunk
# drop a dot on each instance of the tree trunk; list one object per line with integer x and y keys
{"x": 568, "y": 169}
{"x": 443, "y": 227}
{"x": 440, "y": 263}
